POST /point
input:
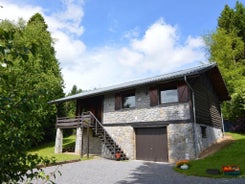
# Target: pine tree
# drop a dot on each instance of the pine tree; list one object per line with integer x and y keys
{"x": 227, "y": 48}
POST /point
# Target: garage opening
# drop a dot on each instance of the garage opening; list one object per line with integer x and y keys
{"x": 151, "y": 144}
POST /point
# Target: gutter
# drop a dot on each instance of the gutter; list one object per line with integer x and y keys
{"x": 222, "y": 121}
{"x": 194, "y": 115}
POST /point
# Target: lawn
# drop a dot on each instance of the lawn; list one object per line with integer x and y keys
{"x": 47, "y": 150}
{"x": 234, "y": 154}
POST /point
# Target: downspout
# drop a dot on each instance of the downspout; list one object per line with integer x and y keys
{"x": 194, "y": 115}
{"x": 222, "y": 121}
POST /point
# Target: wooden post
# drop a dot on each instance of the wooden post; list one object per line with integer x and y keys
{"x": 88, "y": 141}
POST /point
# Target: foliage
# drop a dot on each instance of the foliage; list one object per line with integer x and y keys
{"x": 29, "y": 78}
{"x": 71, "y": 105}
{"x": 227, "y": 48}
{"x": 230, "y": 155}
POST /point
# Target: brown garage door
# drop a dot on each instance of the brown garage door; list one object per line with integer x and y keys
{"x": 151, "y": 144}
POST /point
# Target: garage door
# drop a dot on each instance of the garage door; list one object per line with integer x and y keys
{"x": 151, "y": 144}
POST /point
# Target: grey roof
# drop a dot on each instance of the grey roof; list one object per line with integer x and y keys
{"x": 161, "y": 78}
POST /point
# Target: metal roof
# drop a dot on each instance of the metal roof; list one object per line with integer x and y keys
{"x": 160, "y": 78}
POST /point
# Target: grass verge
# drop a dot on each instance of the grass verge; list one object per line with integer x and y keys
{"x": 47, "y": 150}
{"x": 234, "y": 154}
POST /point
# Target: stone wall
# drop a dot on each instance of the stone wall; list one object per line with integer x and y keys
{"x": 213, "y": 134}
{"x": 180, "y": 141}
{"x": 94, "y": 143}
{"x": 124, "y": 136}
{"x": 143, "y": 112}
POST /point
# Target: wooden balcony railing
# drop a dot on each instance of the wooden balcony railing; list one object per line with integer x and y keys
{"x": 73, "y": 122}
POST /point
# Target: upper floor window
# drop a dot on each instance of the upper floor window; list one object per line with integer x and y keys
{"x": 125, "y": 100}
{"x": 128, "y": 101}
{"x": 168, "y": 93}
{"x": 168, "y": 96}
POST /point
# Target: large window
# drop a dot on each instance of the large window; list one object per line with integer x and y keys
{"x": 168, "y": 96}
{"x": 169, "y": 93}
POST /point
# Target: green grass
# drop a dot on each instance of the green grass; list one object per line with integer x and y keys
{"x": 234, "y": 154}
{"x": 47, "y": 150}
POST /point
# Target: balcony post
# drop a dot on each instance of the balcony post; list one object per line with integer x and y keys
{"x": 58, "y": 141}
{"x": 79, "y": 141}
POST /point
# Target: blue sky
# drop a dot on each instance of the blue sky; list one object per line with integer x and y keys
{"x": 104, "y": 42}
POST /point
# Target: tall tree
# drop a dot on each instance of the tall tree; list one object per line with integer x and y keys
{"x": 29, "y": 78}
{"x": 227, "y": 48}
{"x": 45, "y": 70}
{"x": 71, "y": 106}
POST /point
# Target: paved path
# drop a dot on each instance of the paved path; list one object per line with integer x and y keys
{"x": 102, "y": 171}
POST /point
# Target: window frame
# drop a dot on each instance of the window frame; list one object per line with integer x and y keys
{"x": 183, "y": 93}
{"x": 161, "y": 99}
{"x": 128, "y": 95}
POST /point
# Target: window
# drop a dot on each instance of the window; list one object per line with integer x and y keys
{"x": 128, "y": 101}
{"x": 168, "y": 96}
{"x": 125, "y": 100}
{"x": 168, "y": 93}
{"x": 204, "y": 131}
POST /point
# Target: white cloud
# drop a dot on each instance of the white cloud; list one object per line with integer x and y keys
{"x": 13, "y": 12}
{"x": 70, "y": 18}
{"x": 158, "y": 51}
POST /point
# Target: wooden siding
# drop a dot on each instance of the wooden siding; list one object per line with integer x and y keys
{"x": 183, "y": 92}
{"x": 154, "y": 98}
{"x": 206, "y": 103}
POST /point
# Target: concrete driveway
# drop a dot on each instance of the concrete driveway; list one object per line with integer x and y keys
{"x": 102, "y": 171}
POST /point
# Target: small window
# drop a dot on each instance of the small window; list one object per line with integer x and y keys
{"x": 168, "y": 96}
{"x": 204, "y": 131}
{"x": 128, "y": 101}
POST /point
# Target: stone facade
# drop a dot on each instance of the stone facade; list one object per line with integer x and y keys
{"x": 180, "y": 135}
{"x": 180, "y": 141}
{"x": 94, "y": 143}
{"x": 212, "y": 135}
{"x": 125, "y": 137}
{"x": 143, "y": 112}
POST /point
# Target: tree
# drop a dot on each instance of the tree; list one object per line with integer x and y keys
{"x": 29, "y": 78}
{"x": 47, "y": 72}
{"x": 71, "y": 106}
{"x": 227, "y": 48}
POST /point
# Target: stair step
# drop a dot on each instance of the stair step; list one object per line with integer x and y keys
{"x": 107, "y": 139}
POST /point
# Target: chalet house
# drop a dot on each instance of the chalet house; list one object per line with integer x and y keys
{"x": 164, "y": 118}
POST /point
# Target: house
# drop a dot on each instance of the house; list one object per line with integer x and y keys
{"x": 164, "y": 118}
